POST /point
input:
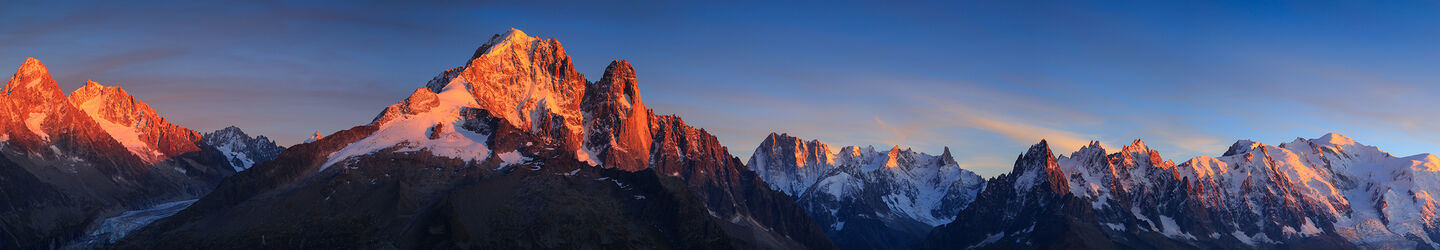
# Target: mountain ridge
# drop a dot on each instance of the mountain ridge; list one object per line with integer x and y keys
{"x": 1301, "y": 193}
{"x": 517, "y": 110}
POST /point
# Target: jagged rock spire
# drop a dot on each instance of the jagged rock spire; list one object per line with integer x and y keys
{"x": 1038, "y": 167}
{"x": 618, "y": 122}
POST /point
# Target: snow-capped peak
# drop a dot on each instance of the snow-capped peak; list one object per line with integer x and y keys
{"x": 242, "y": 150}
{"x": 504, "y": 41}
{"x": 1336, "y": 139}
{"x": 1241, "y": 147}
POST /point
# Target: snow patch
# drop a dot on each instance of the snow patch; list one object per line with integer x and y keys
{"x": 512, "y": 158}
{"x": 584, "y": 155}
{"x": 1172, "y": 230}
{"x": 34, "y": 124}
{"x": 411, "y": 131}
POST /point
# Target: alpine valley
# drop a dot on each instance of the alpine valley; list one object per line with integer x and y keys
{"x": 514, "y": 149}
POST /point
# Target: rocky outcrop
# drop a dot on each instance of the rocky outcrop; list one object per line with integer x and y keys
{"x": 618, "y": 124}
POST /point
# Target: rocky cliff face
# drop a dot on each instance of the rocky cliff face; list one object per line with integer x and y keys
{"x": 618, "y": 125}
{"x": 133, "y": 123}
{"x": 1329, "y": 192}
{"x": 518, "y": 133}
{"x": 867, "y": 199}
{"x": 530, "y": 83}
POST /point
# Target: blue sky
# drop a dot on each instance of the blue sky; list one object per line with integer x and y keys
{"x": 986, "y": 78}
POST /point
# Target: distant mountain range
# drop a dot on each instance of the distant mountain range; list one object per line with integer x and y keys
{"x": 514, "y": 149}
{"x": 1328, "y": 192}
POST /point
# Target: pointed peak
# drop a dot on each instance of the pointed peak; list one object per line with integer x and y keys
{"x": 947, "y": 159}
{"x": 32, "y": 65}
{"x": 29, "y": 75}
{"x": 894, "y": 157}
{"x": 1041, "y": 149}
{"x": 513, "y": 32}
{"x": 620, "y": 67}
{"x": 1336, "y": 139}
{"x": 1136, "y": 146}
{"x": 619, "y": 77}
{"x": 501, "y": 41}
{"x": 1242, "y": 146}
{"x": 1094, "y": 148}
{"x": 313, "y": 138}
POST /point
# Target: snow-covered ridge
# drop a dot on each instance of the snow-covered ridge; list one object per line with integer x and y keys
{"x": 434, "y": 128}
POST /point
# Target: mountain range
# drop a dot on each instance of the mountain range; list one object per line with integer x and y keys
{"x": 1327, "y": 192}
{"x": 67, "y": 163}
{"x": 513, "y": 148}
{"x": 868, "y": 199}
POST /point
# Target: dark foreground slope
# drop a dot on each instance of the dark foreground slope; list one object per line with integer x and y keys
{"x": 415, "y": 200}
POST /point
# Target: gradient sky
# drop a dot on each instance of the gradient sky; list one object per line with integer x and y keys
{"x": 986, "y": 78}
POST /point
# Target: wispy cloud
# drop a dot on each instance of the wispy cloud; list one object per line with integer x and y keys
{"x": 1019, "y": 132}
